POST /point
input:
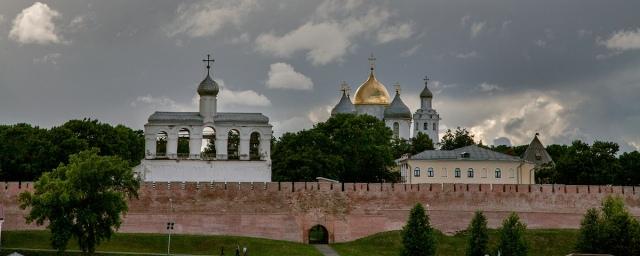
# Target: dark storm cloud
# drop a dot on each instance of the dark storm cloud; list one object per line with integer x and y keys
{"x": 503, "y": 69}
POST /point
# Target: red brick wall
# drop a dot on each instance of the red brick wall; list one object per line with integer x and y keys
{"x": 349, "y": 211}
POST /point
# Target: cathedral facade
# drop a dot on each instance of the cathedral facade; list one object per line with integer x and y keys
{"x": 372, "y": 98}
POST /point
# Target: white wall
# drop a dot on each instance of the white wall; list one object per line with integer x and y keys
{"x": 197, "y": 170}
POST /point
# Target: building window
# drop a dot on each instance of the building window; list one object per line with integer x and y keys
{"x": 430, "y": 172}
{"x": 498, "y": 173}
{"x": 416, "y": 172}
{"x": 416, "y": 126}
{"x": 396, "y": 130}
{"x": 470, "y": 173}
{"x": 434, "y": 126}
{"x": 457, "y": 172}
{"x": 426, "y": 126}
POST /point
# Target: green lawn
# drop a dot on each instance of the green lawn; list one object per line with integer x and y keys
{"x": 541, "y": 242}
{"x": 157, "y": 243}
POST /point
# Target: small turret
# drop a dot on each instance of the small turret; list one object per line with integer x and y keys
{"x": 208, "y": 91}
{"x": 426, "y": 96}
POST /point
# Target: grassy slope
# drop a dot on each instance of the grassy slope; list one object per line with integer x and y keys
{"x": 157, "y": 243}
{"x": 541, "y": 242}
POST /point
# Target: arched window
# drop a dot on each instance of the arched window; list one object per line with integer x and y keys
{"x": 208, "y": 143}
{"x": 426, "y": 126}
{"x": 161, "y": 145}
{"x": 434, "y": 126}
{"x": 254, "y": 146}
{"x": 396, "y": 130}
{"x": 416, "y": 172}
{"x": 498, "y": 173}
{"x": 470, "y": 173}
{"x": 183, "y": 143}
{"x": 430, "y": 172}
{"x": 457, "y": 172}
{"x": 233, "y": 143}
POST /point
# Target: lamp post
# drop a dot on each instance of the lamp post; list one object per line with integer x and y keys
{"x": 170, "y": 226}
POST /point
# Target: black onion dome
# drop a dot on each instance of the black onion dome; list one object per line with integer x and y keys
{"x": 208, "y": 87}
{"x": 397, "y": 109}
{"x": 426, "y": 93}
{"x": 344, "y": 106}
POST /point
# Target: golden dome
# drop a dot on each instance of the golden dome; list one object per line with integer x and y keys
{"x": 371, "y": 92}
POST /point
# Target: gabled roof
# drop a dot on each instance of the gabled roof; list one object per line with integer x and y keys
{"x": 254, "y": 118}
{"x": 536, "y": 153}
{"x": 473, "y": 152}
{"x": 196, "y": 118}
{"x": 175, "y": 117}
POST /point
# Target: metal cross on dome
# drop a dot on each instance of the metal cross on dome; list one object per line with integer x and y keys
{"x": 209, "y": 60}
{"x": 426, "y": 79}
{"x": 372, "y": 62}
{"x": 344, "y": 87}
{"x": 397, "y": 87}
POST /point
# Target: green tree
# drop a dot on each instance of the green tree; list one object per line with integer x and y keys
{"x": 512, "y": 241}
{"x": 630, "y": 169}
{"x": 421, "y": 142}
{"x": 619, "y": 228}
{"x": 588, "y": 164}
{"x": 418, "y": 238}
{"x": 400, "y": 146}
{"x": 460, "y": 138}
{"x": 590, "y": 236}
{"x": 478, "y": 236}
{"x": 303, "y": 156}
{"x": 83, "y": 199}
{"x": 351, "y": 148}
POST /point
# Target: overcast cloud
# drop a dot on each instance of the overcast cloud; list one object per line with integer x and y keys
{"x": 566, "y": 69}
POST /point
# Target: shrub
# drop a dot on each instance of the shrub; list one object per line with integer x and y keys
{"x": 478, "y": 236}
{"x": 417, "y": 236}
{"x": 512, "y": 242}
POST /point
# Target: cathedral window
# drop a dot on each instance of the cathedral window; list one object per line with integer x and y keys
{"x": 416, "y": 172}
{"x": 254, "y": 146}
{"x": 434, "y": 126}
{"x": 426, "y": 126}
{"x": 430, "y": 172}
{"x": 457, "y": 172}
{"x": 396, "y": 130}
{"x": 498, "y": 173}
{"x": 233, "y": 144}
{"x": 470, "y": 173}
{"x": 183, "y": 143}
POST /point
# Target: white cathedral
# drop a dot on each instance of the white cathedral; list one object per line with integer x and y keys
{"x": 207, "y": 145}
{"x": 373, "y": 99}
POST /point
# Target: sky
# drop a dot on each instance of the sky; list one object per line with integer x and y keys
{"x": 503, "y": 69}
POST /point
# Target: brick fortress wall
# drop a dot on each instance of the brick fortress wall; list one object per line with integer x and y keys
{"x": 286, "y": 211}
